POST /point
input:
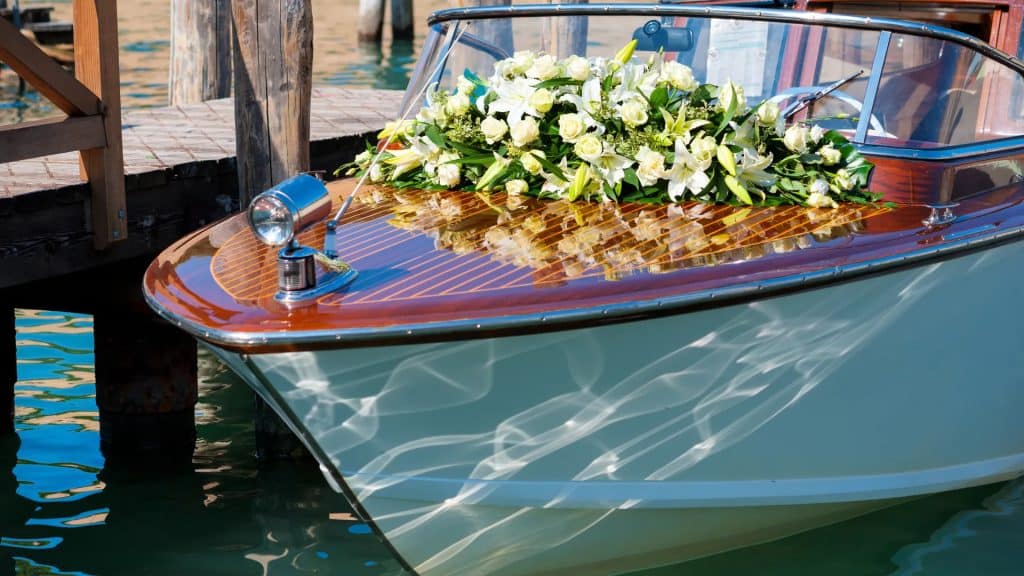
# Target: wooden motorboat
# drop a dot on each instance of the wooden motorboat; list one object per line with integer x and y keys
{"x": 573, "y": 388}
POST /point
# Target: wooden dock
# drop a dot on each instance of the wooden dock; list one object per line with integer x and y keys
{"x": 179, "y": 174}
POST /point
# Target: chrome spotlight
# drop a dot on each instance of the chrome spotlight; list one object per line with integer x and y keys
{"x": 276, "y": 217}
{"x": 280, "y": 213}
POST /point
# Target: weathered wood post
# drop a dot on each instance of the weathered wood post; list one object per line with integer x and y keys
{"x": 200, "y": 51}
{"x": 273, "y": 88}
{"x": 371, "y": 20}
{"x": 8, "y": 369}
{"x": 273, "y": 82}
{"x": 562, "y": 37}
{"x": 401, "y": 20}
{"x": 96, "y": 66}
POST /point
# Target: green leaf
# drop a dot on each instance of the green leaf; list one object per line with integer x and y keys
{"x": 738, "y": 190}
{"x": 659, "y": 97}
{"x": 557, "y": 83}
{"x": 434, "y": 134}
{"x": 550, "y": 167}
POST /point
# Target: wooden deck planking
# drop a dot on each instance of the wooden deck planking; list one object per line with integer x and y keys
{"x": 157, "y": 139}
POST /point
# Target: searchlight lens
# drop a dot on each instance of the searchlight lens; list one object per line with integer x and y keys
{"x": 292, "y": 206}
{"x": 271, "y": 220}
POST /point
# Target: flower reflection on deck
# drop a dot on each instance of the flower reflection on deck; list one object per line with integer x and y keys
{"x": 561, "y": 240}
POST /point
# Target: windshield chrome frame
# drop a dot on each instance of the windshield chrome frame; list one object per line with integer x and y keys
{"x": 886, "y": 26}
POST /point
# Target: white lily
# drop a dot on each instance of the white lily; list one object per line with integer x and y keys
{"x": 611, "y": 166}
{"x": 587, "y": 103}
{"x": 633, "y": 78}
{"x": 513, "y": 98}
{"x": 752, "y": 168}
{"x": 555, "y": 185}
{"x": 419, "y": 151}
{"x": 686, "y": 173}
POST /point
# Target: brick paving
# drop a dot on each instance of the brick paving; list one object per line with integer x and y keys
{"x": 158, "y": 139}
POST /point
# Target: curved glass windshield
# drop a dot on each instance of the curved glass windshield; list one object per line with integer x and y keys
{"x": 926, "y": 92}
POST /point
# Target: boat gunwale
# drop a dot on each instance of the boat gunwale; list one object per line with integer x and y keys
{"x": 965, "y": 242}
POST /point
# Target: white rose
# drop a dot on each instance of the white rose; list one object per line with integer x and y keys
{"x": 376, "y": 173}
{"x": 543, "y": 68}
{"x": 457, "y": 105}
{"x": 729, "y": 94}
{"x": 516, "y": 187}
{"x": 818, "y": 200}
{"x": 796, "y": 138}
{"x": 571, "y": 127}
{"x": 819, "y": 186}
{"x": 634, "y": 113}
{"x": 651, "y": 166}
{"x": 448, "y": 175}
{"x": 678, "y": 76}
{"x": 465, "y": 85}
{"x": 704, "y": 149}
{"x": 542, "y": 100}
{"x": 768, "y": 113}
{"x": 577, "y": 68}
{"x": 525, "y": 131}
{"x": 521, "y": 62}
{"x": 493, "y": 129}
{"x": 589, "y": 148}
{"x": 829, "y": 155}
{"x": 530, "y": 162}
{"x": 816, "y": 133}
{"x": 844, "y": 180}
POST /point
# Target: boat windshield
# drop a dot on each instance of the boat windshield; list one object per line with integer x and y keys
{"x": 916, "y": 91}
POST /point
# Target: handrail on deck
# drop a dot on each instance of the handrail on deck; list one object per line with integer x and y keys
{"x": 91, "y": 99}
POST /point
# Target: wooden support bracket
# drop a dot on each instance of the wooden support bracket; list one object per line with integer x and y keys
{"x": 96, "y": 66}
{"x": 45, "y": 75}
{"x": 50, "y": 136}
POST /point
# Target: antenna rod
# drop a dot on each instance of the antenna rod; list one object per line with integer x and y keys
{"x": 381, "y": 149}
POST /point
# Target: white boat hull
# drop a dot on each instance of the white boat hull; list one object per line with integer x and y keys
{"x": 616, "y": 447}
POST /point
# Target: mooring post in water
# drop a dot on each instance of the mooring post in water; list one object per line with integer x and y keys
{"x": 273, "y": 86}
{"x": 371, "y": 20}
{"x": 401, "y": 19}
{"x": 200, "y": 51}
{"x": 8, "y": 368}
{"x": 146, "y": 376}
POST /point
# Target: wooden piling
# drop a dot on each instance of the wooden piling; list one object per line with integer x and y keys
{"x": 200, "y": 51}
{"x": 8, "y": 368}
{"x": 371, "y": 20}
{"x": 146, "y": 376}
{"x": 401, "y": 19}
{"x": 273, "y": 87}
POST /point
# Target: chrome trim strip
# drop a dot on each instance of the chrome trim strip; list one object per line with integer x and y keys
{"x": 766, "y": 14}
{"x": 868, "y": 106}
{"x": 567, "y": 319}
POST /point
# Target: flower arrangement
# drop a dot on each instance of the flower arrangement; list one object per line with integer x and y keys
{"x": 614, "y": 130}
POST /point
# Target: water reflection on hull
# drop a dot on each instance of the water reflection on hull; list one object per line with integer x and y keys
{"x": 616, "y": 447}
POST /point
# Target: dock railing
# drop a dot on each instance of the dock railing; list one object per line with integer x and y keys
{"x": 92, "y": 102}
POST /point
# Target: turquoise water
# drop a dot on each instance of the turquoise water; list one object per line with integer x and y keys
{"x": 60, "y": 513}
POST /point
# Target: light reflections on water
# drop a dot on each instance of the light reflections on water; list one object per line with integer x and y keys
{"x": 61, "y": 513}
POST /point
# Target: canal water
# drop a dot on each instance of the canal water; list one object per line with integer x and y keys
{"x": 60, "y": 513}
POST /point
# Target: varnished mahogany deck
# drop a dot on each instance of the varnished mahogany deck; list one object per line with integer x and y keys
{"x": 429, "y": 257}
